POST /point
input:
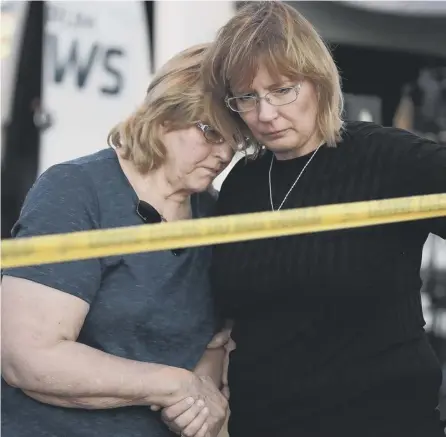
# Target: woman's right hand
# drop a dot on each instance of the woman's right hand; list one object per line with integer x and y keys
{"x": 187, "y": 418}
{"x": 210, "y": 412}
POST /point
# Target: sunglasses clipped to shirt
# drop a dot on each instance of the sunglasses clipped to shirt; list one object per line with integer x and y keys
{"x": 147, "y": 212}
{"x": 151, "y": 216}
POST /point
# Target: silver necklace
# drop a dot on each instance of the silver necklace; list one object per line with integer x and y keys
{"x": 292, "y": 186}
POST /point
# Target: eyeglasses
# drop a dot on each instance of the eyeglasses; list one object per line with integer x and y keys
{"x": 210, "y": 134}
{"x": 279, "y": 97}
{"x": 150, "y": 215}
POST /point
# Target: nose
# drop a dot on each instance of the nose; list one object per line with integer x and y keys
{"x": 266, "y": 111}
{"x": 224, "y": 152}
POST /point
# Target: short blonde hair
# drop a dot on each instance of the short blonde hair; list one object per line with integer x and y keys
{"x": 279, "y": 36}
{"x": 175, "y": 96}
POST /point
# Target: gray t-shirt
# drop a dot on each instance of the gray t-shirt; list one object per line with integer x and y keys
{"x": 153, "y": 307}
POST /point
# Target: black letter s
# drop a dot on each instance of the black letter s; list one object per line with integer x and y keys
{"x": 117, "y": 75}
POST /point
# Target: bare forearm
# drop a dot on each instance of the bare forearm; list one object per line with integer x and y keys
{"x": 87, "y": 403}
{"x": 211, "y": 364}
{"x": 83, "y": 377}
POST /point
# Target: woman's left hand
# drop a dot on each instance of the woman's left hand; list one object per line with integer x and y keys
{"x": 230, "y": 346}
{"x": 221, "y": 338}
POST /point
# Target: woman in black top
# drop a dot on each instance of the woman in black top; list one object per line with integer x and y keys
{"x": 328, "y": 326}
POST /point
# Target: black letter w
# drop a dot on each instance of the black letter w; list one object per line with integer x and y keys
{"x": 73, "y": 61}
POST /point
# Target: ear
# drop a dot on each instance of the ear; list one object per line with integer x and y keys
{"x": 164, "y": 126}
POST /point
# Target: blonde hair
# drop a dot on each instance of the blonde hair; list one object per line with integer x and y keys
{"x": 279, "y": 36}
{"x": 175, "y": 97}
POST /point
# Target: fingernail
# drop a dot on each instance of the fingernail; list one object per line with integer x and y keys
{"x": 205, "y": 410}
{"x": 190, "y": 401}
{"x": 200, "y": 403}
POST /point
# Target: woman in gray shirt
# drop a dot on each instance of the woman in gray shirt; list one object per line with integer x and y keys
{"x": 89, "y": 345}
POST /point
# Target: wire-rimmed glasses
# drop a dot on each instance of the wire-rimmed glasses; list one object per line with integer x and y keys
{"x": 210, "y": 134}
{"x": 279, "y": 97}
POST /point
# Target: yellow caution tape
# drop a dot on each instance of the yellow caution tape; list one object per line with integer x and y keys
{"x": 200, "y": 232}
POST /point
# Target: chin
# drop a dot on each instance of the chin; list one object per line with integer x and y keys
{"x": 280, "y": 146}
{"x": 284, "y": 145}
{"x": 200, "y": 186}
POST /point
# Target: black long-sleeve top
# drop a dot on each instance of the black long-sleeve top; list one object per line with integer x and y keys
{"x": 329, "y": 326}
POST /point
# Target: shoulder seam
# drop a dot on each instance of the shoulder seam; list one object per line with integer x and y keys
{"x": 90, "y": 183}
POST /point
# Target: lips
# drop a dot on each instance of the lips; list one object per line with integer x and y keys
{"x": 213, "y": 171}
{"x": 274, "y": 133}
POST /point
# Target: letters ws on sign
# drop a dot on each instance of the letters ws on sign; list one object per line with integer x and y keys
{"x": 75, "y": 49}
{"x": 96, "y": 68}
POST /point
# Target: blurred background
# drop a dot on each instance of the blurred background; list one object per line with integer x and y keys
{"x": 71, "y": 70}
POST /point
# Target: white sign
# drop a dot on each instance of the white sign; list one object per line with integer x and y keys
{"x": 95, "y": 72}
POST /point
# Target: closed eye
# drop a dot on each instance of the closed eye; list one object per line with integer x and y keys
{"x": 246, "y": 97}
{"x": 282, "y": 90}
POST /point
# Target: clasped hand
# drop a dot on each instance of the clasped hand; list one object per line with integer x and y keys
{"x": 201, "y": 414}
{"x": 202, "y": 410}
